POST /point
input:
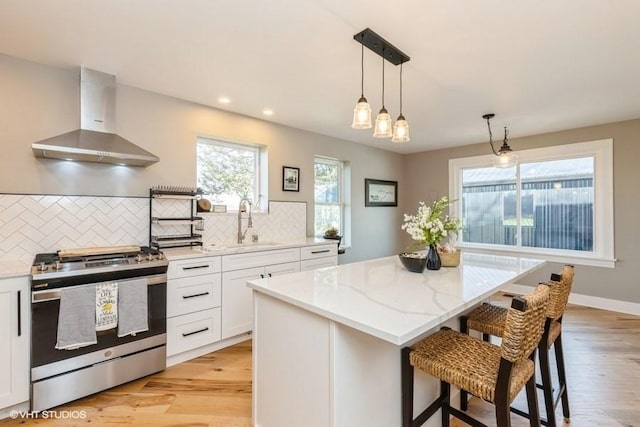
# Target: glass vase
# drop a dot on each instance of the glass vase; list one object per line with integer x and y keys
{"x": 433, "y": 258}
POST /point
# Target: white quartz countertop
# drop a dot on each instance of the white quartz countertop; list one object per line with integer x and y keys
{"x": 227, "y": 249}
{"x": 14, "y": 268}
{"x": 381, "y": 298}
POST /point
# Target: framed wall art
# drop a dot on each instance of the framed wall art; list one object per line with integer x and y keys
{"x": 290, "y": 178}
{"x": 380, "y": 193}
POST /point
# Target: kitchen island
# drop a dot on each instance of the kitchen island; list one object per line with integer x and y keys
{"x": 326, "y": 343}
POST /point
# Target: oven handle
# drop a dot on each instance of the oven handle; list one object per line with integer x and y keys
{"x": 54, "y": 294}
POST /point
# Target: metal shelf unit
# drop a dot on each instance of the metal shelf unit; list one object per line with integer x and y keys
{"x": 188, "y": 239}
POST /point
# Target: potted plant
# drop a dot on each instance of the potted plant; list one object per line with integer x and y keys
{"x": 331, "y": 233}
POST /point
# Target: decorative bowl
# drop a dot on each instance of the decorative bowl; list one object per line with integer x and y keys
{"x": 414, "y": 262}
{"x": 450, "y": 259}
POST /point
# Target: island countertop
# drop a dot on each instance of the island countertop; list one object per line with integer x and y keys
{"x": 381, "y": 298}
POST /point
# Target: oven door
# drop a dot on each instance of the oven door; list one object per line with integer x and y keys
{"x": 45, "y": 305}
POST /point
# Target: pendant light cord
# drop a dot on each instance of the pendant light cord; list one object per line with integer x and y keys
{"x": 491, "y": 137}
{"x": 362, "y": 67}
{"x": 401, "y": 88}
{"x": 383, "y": 77}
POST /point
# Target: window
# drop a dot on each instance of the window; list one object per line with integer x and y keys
{"x": 229, "y": 171}
{"x": 328, "y": 195}
{"x": 556, "y": 203}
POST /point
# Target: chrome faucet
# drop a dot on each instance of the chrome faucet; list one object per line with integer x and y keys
{"x": 243, "y": 208}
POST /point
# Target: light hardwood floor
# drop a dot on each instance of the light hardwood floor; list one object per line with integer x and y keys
{"x": 602, "y": 352}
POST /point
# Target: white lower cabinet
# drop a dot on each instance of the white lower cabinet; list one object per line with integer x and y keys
{"x": 237, "y": 297}
{"x": 208, "y": 300}
{"x": 318, "y": 256}
{"x": 14, "y": 336}
{"x": 193, "y": 304}
{"x": 192, "y": 330}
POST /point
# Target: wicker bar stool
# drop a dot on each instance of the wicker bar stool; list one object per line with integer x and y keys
{"x": 494, "y": 373}
{"x": 490, "y": 320}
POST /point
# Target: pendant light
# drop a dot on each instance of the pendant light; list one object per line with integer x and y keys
{"x": 505, "y": 157}
{"x": 382, "y": 128}
{"x": 362, "y": 111}
{"x": 401, "y": 127}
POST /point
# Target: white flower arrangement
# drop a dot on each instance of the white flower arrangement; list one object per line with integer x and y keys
{"x": 429, "y": 225}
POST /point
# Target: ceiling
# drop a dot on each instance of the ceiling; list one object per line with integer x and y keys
{"x": 541, "y": 66}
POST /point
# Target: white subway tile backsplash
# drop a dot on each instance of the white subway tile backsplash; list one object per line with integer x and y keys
{"x": 31, "y": 224}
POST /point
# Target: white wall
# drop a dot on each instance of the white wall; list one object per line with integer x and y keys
{"x": 38, "y": 102}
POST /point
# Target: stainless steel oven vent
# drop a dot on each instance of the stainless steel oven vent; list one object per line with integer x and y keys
{"x": 96, "y": 140}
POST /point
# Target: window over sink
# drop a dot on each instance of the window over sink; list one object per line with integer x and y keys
{"x": 230, "y": 171}
{"x": 556, "y": 203}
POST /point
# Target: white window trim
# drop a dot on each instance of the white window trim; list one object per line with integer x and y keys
{"x": 602, "y": 151}
{"x": 341, "y": 192}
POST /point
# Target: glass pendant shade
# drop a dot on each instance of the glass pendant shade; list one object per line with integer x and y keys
{"x": 400, "y": 130}
{"x": 362, "y": 114}
{"x": 505, "y": 159}
{"x": 383, "y": 125}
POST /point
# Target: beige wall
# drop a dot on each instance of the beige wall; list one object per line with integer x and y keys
{"x": 620, "y": 283}
{"x": 38, "y": 102}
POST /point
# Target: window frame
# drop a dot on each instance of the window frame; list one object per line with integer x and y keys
{"x": 260, "y": 159}
{"x": 603, "y": 238}
{"x": 341, "y": 192}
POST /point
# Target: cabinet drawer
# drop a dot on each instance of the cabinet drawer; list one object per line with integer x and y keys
{"x": 275, "y": 270}
{"x": 192, "y": 330}
{"x": 311, "y": 264}
{"x": 319, "y": 251}
{"x": 193, "y": 294}
{"x": 193, "y": 267}
{"x": 259, "y": 259}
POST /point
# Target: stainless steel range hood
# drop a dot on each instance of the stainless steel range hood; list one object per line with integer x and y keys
{"x": 96, "y": 140}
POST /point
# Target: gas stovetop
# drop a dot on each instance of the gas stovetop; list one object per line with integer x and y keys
{"x": 76, "y": 262}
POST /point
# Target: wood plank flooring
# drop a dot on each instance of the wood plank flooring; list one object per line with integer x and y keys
{"x": 602, "y": 352}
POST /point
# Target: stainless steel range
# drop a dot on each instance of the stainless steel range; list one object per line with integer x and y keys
{"x": 59, "y": 376}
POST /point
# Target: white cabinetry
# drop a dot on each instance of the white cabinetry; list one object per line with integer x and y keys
{"x": 318, "y": 256}
{"x": 14, "y": 339}
{"x": 237, "y": 297}
{"x": 193, "y": 303}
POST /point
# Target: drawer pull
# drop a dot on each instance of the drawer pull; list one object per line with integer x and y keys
{"x": 195, "y": 332}
{"x": 196, "y": 267}
{"x": 195, "y": 295}
{"x": 321, "y": 252}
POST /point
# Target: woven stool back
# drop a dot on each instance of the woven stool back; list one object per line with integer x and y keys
{"x": 523, "y": 329}
{"x": 560, "y": 287}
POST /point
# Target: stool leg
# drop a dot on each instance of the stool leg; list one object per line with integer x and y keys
{"x": 407, "y": 388}
{"x": 464, "y": 396}
{"x": 547, "y": 386}
{"x": 557, "y": 346}
{"x": 445, "y": 398}
{"x": 532, "y": 402}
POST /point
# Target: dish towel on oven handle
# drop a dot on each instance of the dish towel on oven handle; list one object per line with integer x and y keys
{"x": 132, "y": 307}
{"x": 76, "y": 318}
{"x": 106, "y": 306}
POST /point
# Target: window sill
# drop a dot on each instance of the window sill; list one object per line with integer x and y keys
{"x": 556, "y": 257}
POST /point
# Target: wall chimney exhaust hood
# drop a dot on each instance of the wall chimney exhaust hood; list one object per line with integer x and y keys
{"x": 96, "y": 140}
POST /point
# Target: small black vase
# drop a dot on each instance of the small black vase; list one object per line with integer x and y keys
{"x": 433, "y": 258}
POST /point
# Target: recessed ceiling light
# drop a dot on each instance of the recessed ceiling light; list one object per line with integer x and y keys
{"x": 224, "y": 100}
{"x": 267, "y": 112}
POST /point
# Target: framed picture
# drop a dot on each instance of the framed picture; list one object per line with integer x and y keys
{"x": 380, "y": 193}
{"x": 290, "y": 178}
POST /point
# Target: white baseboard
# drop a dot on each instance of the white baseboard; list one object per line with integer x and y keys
{"x": 588, "y": 301}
